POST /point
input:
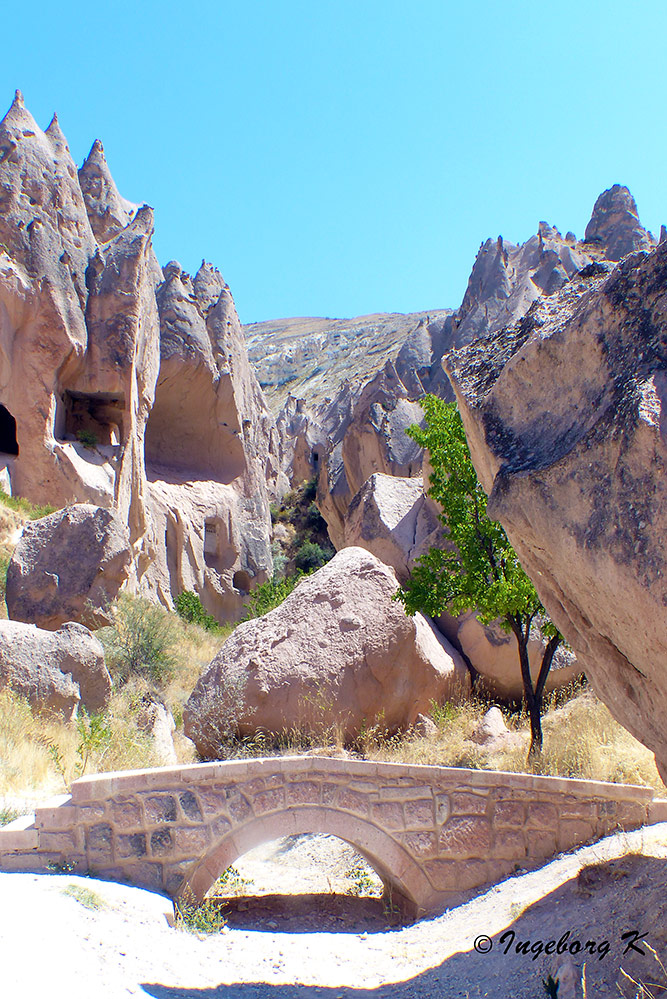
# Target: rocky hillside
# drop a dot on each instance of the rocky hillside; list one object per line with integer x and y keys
{"x": 309, "y": 357}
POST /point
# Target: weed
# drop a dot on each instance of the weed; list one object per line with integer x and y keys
{"x": 141, "y": 642}
{"x": 88, "y": 438}
{"x": 8, "y": 814}
{"x": 645, "y": 990}
{"x": 33, "y": 511}
{"x": 362, "y": 881}
{"x": 270, "y": 594}
{"x": 60, "y": 866}
{"x": 312, "y": 556}
{"x": 192, "y": 917}
{"x": 231, "y": 882}
{"x": 85, "y": 896}
{"x": 94, "y": 734}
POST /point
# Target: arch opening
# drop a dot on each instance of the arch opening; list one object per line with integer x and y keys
{"x": 303, "y": 882}
{"x": 405, "y": 884}
{"x": 8, "y": 441}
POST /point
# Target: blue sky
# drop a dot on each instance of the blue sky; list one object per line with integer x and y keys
{"x": 340, "y": 158}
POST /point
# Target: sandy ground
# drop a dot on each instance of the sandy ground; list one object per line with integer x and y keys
{"x": 52, "y": 944}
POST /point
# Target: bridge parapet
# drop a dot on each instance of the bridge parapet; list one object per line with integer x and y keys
{"x": 432, "y": 833}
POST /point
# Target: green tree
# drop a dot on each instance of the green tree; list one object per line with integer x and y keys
{"x": 478, "y": 570}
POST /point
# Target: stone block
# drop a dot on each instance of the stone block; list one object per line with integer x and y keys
{"x": 220, "y": 827}
{"x": 303, "y": 792}
{"x": 409, "y": 791}
{"x": 541, "y": 815}
{"x": 508, "y": 844}
{"x": 61, "y": 841}
{"x": 160, "y": 808}
{"x": 238, "y": 807}
{"x": 465, "y": 836}
{"x": 657, "y": 810}
{"x": 574, "y": 832}
{"x": 132, "y": 845}
{"x": 63, "y": 817}
{"x": 419, "y": 814}
{"x": 420, "y": 844}
{"x": 126, "y": 814}
{"x": 99, "y": 843}
{"x": 542, "y": 843}
{"x": 162, "y": 842}
{"x": 190, "y": 806}
{"x": 191, "y": 840}
{"x": 571, "y": 807}
{"x": 91, "y": 813}
{"x": 443, "y": 808}
{"x": 509, "y": 813}
{"x": 388, "y": 815}
{"x": 463, "y": 803}
{"x": 451, "y": 875}
{"x": 269, "y": 801}
{"x": 352, "y": 801}
{"x": 215, "y": 801}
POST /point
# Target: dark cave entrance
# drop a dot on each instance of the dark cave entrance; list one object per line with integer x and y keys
{"x": 8, "y": 441}
{"x": 94, "y": 417}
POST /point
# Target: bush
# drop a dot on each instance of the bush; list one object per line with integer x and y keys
{"x": 270, "y": 594}
{"x": 190, "y": 608}
{"x": 311, "y": 556}
{"x": 88, "y": 438}
{"x": 141, "y": 642}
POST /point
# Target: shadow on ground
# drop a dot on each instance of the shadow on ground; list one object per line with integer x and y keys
{"x": 309, "y": 913}
{"x": 595, "y": 909}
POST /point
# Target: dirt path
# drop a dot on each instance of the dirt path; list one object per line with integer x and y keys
{"x": 52, "y": 944}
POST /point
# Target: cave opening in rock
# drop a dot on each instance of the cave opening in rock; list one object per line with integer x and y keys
{"x": 8, "y": 440}
{"x": 303, "y": 883}
{"x": 93, "y": 418}
{"x": 241, "y": 581}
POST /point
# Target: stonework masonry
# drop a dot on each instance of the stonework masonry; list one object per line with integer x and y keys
{"x": 434, "y": 834}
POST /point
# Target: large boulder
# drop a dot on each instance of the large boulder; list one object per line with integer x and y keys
{"x": 68, "y": 566}
{"x": 391, "y": 517}
{"x": 565, "y": 414}
{"x": 54, "y": 670}
{"x": 338, "y": 652}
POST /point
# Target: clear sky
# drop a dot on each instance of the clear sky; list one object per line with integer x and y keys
{"x": 339, "y": 158}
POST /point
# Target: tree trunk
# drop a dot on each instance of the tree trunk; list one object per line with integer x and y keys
{"x": 533, "y": 696}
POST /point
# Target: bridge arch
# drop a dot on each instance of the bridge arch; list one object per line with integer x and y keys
{"x": 404, "y": 880}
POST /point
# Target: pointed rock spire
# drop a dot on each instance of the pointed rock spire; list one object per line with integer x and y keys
{"x": 107, "y": 210}
{"x": 615, "y": 224}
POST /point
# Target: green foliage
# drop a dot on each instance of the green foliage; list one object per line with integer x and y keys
{"x": 479, "y": 569}
{"x": 141, "y": 642}
{"x": 85, "y": 896}
{"x": 4, "y": 566}
{"x": 231, "y": 882}
{"x": 8, "y": 814}
{"x": 204, "y": 918}
{"x": 94, "y": 734}
{"x": 310, "y": 489}
{"x": 88, "y": 438}
{"x": 362, "y": 882}
{"x": 190, "y": 608}
{"x": 268, "y": 595}
{"x": 311, "y": 556}
{"x": 34, "y": 511}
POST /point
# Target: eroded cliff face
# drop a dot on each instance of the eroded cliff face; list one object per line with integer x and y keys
{"x": 565, "y": 413}
{"x": 97, "y": 348}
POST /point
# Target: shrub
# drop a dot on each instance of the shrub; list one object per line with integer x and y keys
{"x": 311, "y": 556}
{"x": 88, "y": 438}
{"x": 194, "y": 918}
{"x": 269, "y": 594}
{"x": 141, "y": 642}
{"x": 191, "y": 609}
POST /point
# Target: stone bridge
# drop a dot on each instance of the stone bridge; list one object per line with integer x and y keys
{"x": 433, "y": 834}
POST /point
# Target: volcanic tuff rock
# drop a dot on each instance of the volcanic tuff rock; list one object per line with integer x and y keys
{"x": 104, "y": 359}
{"x": 53, "y": 670}
{"x": 68, "y": 566}
{"x": 337, "y": 652}
{"x": 565, "y": 417}
{"x": 615, "y": 225}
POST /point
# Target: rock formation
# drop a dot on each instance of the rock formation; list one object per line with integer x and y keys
{"x": 338, "y": 652}
{"x": 54, "y": 670}
{"x": 97, "y": 348}
{"x": 615, "y": 225}
{"x": 68, "y": 566}
{"x": 565, "y": 417}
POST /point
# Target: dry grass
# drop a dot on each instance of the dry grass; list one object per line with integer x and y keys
{"x": 581, "y": 739}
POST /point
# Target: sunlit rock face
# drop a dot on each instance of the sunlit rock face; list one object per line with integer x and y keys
{"x": 108, "y": 368}
{"x": 565, "y": 417}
